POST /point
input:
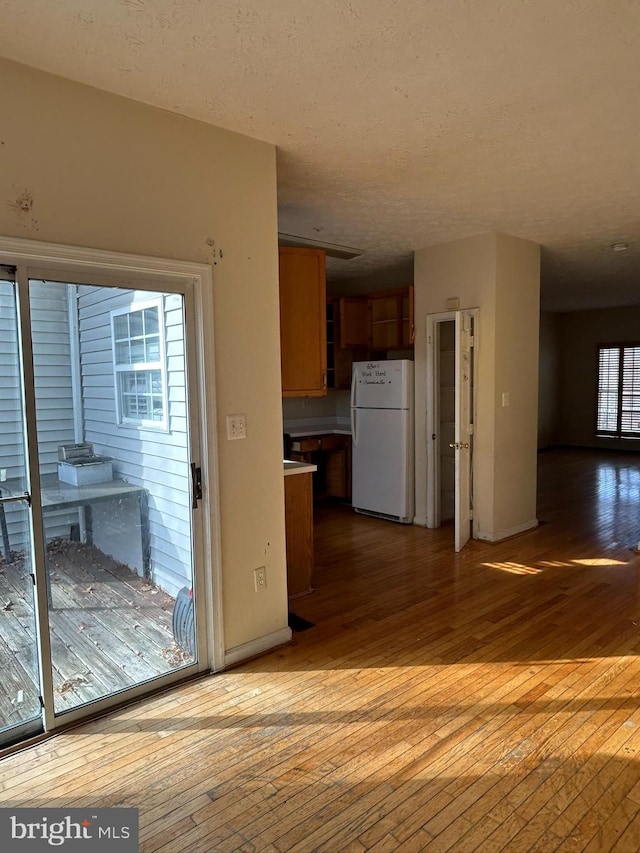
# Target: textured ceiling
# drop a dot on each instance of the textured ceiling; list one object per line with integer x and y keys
{"x": 399, "y": 123}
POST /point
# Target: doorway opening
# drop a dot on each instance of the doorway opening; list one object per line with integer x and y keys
{"x": 451, "y": 387}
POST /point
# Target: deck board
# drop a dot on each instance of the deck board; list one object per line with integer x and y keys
{"x": 109, "y": 628}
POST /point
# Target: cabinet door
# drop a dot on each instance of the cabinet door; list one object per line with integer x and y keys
{"x": 408, "y": 327}
{"x": 354, "y": 322}
{"x": 339, "y": 359}
{"x": 303, "y": 339}
{"x": 391, "y": 320}
{"x": 386, "y": 321}
{"x": 298, "y": 505}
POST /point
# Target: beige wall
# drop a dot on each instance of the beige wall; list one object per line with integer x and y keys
{"x": 581, "y": 332}
{"x": 499, "y": 275}
{"x": 517, "y": 338}
{"x": 298, "y": 408}
{"x": 101, "y": 171}
{"x": 463, "y": 269}
{"x": 549, "y": 383}
{"x": 391, "y": 278}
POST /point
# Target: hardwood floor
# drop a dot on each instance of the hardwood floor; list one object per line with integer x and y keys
{"x": 486, "y": 701}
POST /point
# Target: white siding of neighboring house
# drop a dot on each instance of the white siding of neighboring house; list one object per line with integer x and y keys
{"x": 54, "y": 401}
{"x": 12, "y": 454}
{"x": 155, "y": 459}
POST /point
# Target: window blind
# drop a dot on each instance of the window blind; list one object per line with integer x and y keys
{"x": 608, "y": 384}
{"x": 630, "y": 410}
{"x": 619, "y": 391}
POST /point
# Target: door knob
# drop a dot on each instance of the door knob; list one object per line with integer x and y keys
{"x": 462, "y": 445}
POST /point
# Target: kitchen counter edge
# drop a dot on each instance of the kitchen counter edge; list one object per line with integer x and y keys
{"x": 293, "y": 467}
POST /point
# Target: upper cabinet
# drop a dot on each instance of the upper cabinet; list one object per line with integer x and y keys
{"x": 378, "y": 322}
{"x": 391, "y": 320}
{"x": 320, "y": 340}
{"x": 347, "y": 337}
{"x": 409, "y": 328}
{"x": 303, "y": 341}
{"x": 354, "y": 322}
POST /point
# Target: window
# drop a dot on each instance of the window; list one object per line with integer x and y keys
{"x": 619, "y": 391}
{"x": 139, "y": 366}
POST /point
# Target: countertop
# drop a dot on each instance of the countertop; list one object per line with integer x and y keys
{"x": 321, "y": 426}
{"x": 291, "y": 467}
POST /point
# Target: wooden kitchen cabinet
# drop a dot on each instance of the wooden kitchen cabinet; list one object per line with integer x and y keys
{"x": 303, "y": 343}
{"x": 298, "y": 508}
{"x": 408, "y": 318}
{"x": 337, "y": 473}
{"x": 377, "y": 323}
{"x": 354, "y": 322}
{"x": 340, "y": 356}
{"x": 391, "y": 323}
{"x": 331, "y": 452}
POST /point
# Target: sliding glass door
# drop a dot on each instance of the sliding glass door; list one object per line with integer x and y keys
{"x": 97, "y": 586}
{"x": 20, "y": 694}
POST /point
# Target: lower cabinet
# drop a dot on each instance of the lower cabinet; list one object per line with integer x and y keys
{"x": 337, "y": 480}
{"x": 332, "y": 454}
{"x": 298, "y": 508}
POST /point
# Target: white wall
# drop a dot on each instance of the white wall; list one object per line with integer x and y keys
{"x": 499, "y": 275}
{"x": 83, "y": 167}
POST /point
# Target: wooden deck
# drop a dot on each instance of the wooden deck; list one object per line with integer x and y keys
{"x": 486, "y": 702}
{"x": 109, "y": 629}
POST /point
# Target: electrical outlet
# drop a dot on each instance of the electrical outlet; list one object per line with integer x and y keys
{"x": 260, "y": 578}
{"x": 236, "y": 426}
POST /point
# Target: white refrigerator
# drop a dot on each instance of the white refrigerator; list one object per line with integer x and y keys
{"x": 382, "y": 439}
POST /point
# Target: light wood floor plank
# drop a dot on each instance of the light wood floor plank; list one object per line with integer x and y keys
{"x": 484, "y": 701}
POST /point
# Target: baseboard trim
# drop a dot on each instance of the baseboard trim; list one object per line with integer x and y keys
{"x": 257, "y": 647}
{"x": 511, "y": 531}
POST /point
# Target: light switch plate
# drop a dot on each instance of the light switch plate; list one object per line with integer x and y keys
{"x": 236, "y": 426}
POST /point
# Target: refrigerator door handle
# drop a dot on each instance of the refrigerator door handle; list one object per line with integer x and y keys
{"x": 354, "y": 437}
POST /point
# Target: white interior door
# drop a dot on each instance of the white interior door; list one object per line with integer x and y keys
{"x": 463, "y": 427}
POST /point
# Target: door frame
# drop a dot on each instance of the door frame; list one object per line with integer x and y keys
{"x": 95, "y": 266}
{"x": 433, "y": 413}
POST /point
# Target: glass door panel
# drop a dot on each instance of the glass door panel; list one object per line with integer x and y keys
{"x": 20, "y": 707}
{"x": 115, "y": 482}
